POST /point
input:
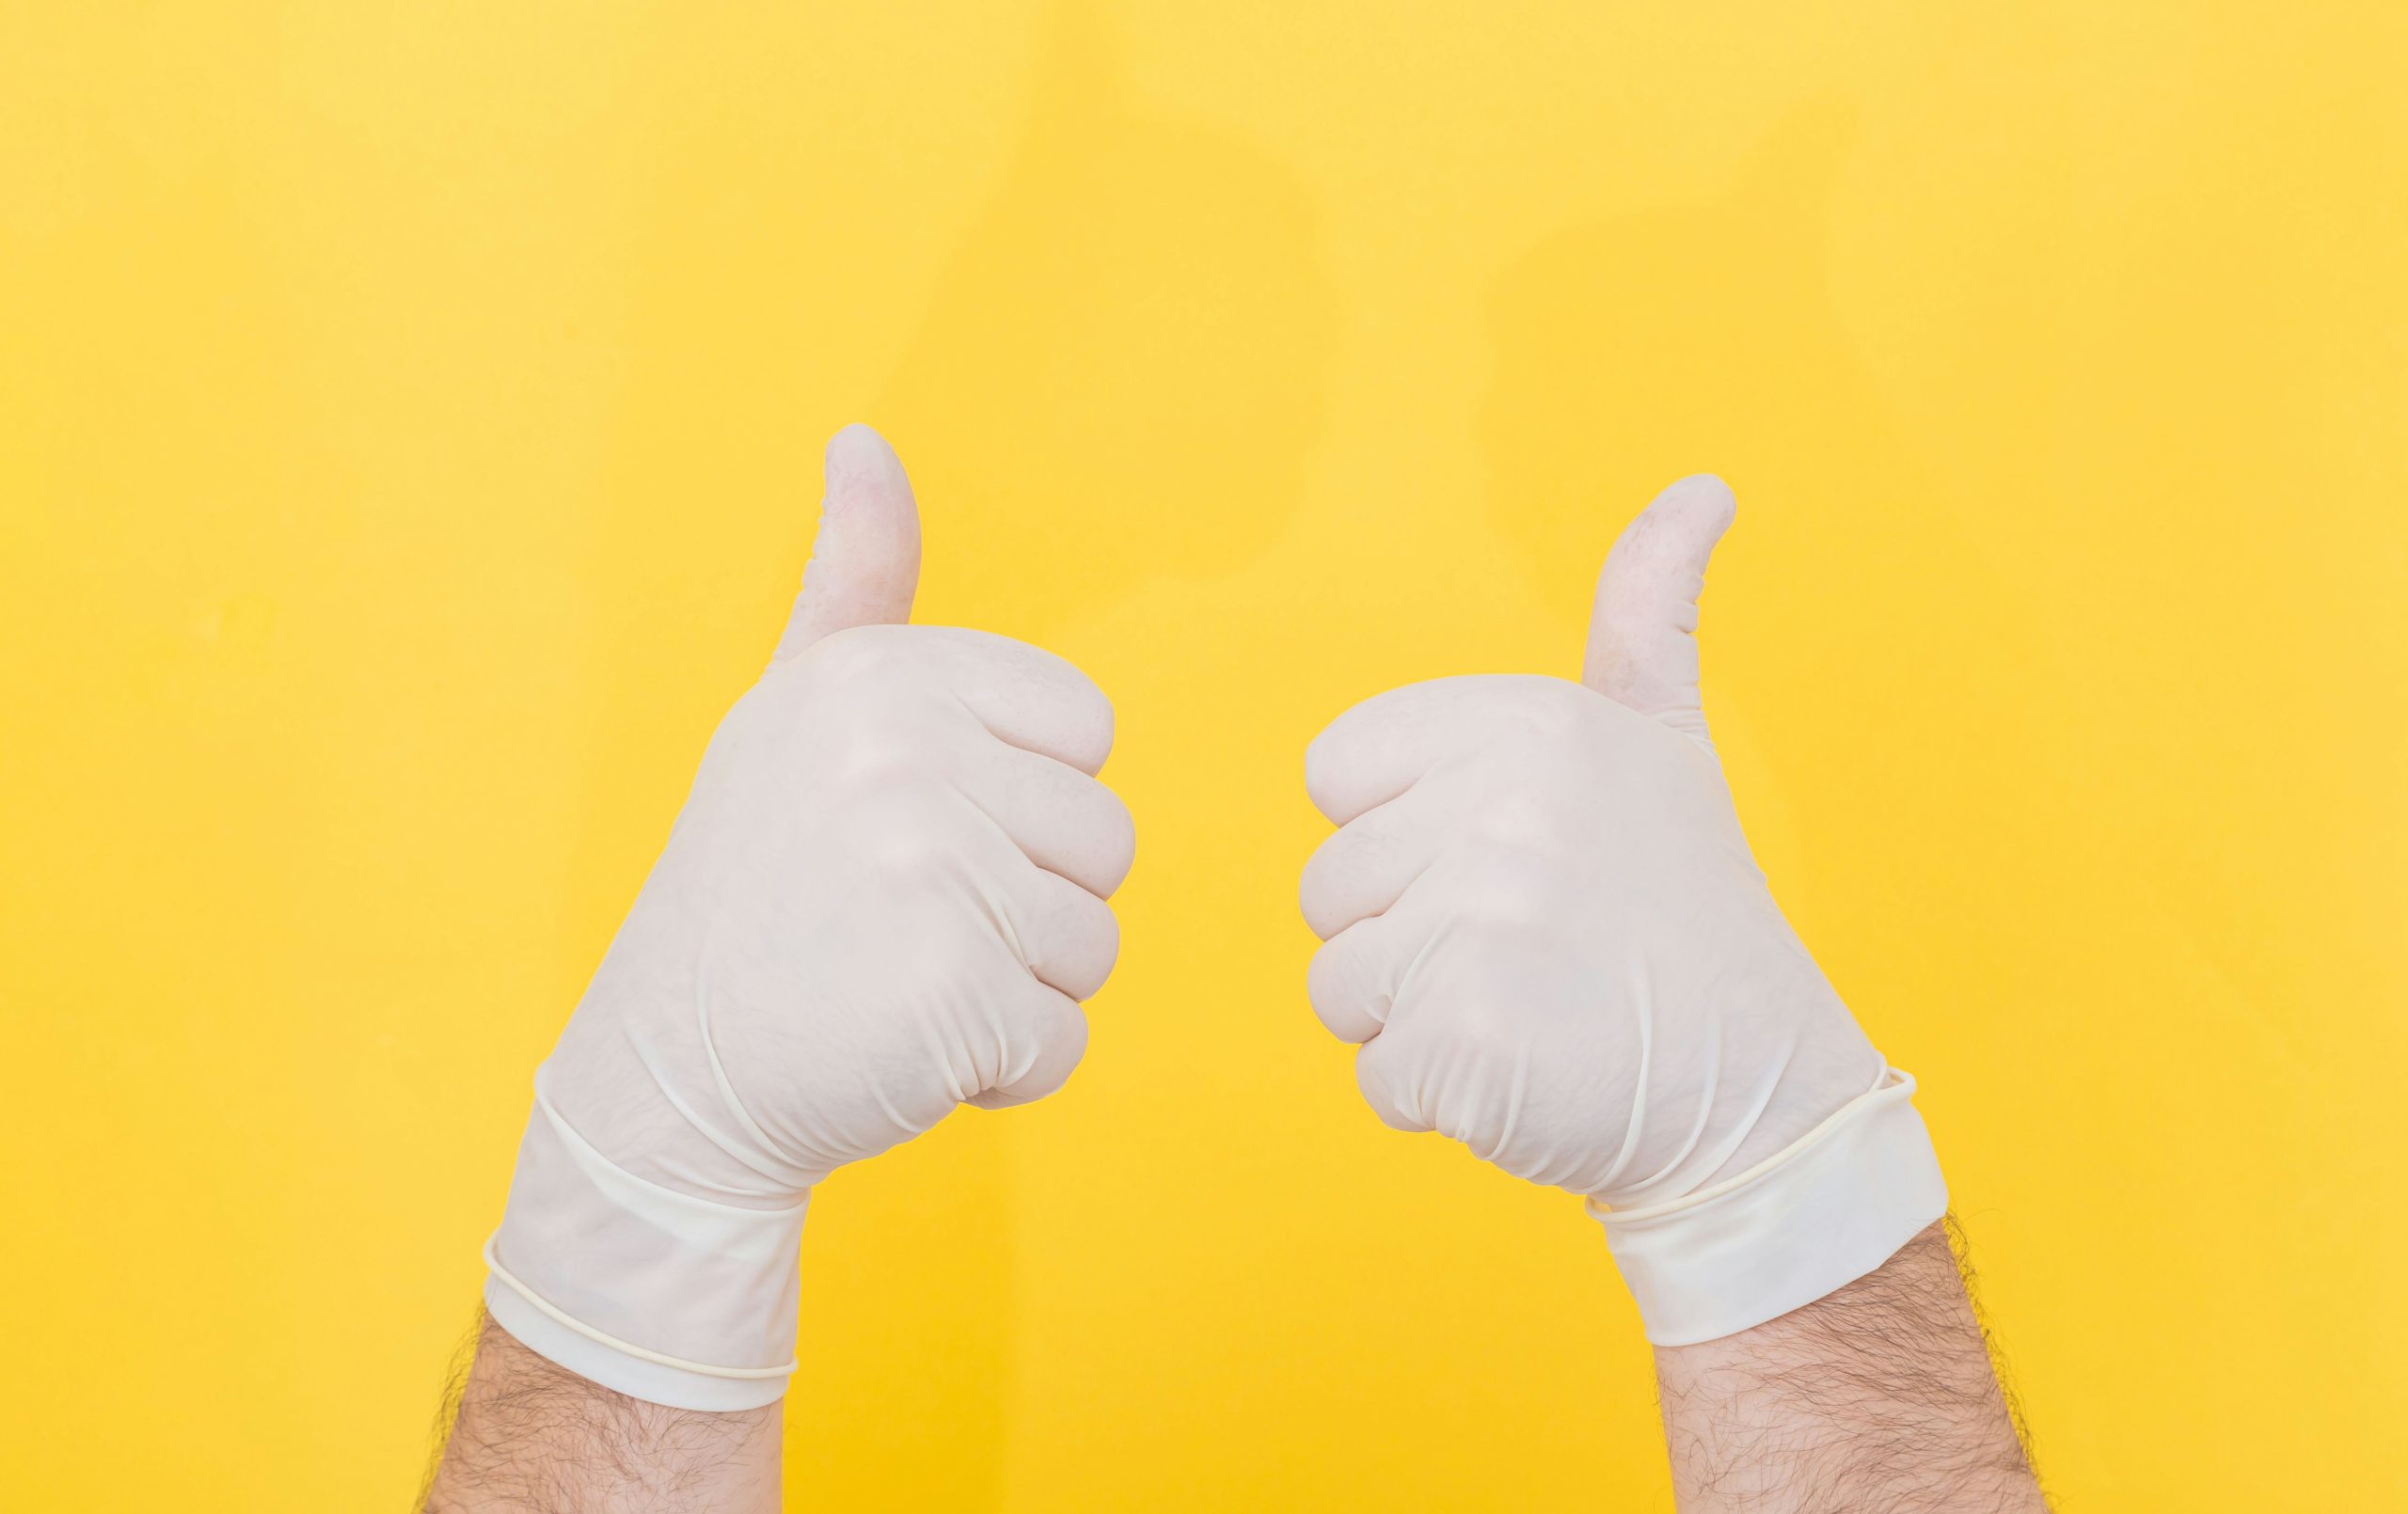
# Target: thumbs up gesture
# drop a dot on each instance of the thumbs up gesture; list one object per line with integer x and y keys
{"x": 1543, "y": 927}
{"x": 884, "y": 897}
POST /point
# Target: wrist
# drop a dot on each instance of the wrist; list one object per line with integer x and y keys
{"x": 1881, "y": 1395}
{"x": 1830, "y": 1067}
{"x": 531, "y": 1435}
{"x": 1827, "y": 1209}
{"x": 654, "y": 1292}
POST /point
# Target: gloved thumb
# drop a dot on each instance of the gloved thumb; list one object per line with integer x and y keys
{"x": 865, "y": 560}
{"x": 1642, "y": 634}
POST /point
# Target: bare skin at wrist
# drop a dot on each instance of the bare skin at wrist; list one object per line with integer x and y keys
{"x": 533, "y": 1438}
{"x": 1880, "y": 1399}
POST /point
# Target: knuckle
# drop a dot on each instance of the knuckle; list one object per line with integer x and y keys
{"x": 1088, "y": 728}
{"x": 1328, "y": 976}
{"x": 867, "y": 760}
{"x": 1397, "y": 1104}
{"x": 1323, "y": 767}
{"x": 901, "y": 850}
{"x": 1504, "y": 894}
{"x": 1520, "y": 817}
{"x": 1091, "y": 933}
{"x": 861, "y": 657}
{"x": 1060, "y": 1029}
{"x": 1103, "y": 943}
{"x": 1345, "y": 992}
{"x": 1096, "y": 713}
{"x": 1321, "y": 890}
{"x": 1479, "y": 1029}
{"x": 1541, "y": 713}
{"x": 890, "y": 832}
{"x": 1119, "y": 830}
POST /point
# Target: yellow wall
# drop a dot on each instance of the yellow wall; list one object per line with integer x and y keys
{"x": 409, "y": 420}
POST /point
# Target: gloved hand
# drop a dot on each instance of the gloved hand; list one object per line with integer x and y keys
{"x": 1544, "y": 926}
{"x": 884, "y": 897}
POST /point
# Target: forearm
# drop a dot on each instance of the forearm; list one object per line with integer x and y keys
{"x": 1878, "y": 1397}
{"x": 532, "y": 1438}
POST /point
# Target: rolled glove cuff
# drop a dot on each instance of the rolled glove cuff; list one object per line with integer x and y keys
{"x": 648, "y": 1291}
{"x": 1802, "y": 1223}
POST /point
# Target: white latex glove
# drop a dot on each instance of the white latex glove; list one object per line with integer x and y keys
{"x": 884, "y": 897}
{"x": 1544, "y": 928}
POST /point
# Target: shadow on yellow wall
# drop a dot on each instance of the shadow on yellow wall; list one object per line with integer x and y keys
{"x": 1121, "y": 246}
{"x": 1706, "y": 338}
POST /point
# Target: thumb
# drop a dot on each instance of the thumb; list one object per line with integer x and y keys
{"x": 865, "y": 560}
{"x": 1642, "y": 634}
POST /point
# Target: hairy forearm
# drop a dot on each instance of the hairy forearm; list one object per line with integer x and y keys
{"x": 1879, "y": 1399}
{"x": 533, "y": 1439}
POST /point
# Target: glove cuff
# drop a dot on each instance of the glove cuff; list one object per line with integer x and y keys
{"x": 1804, "y": 1222}
{"x": 646, "y": 1290}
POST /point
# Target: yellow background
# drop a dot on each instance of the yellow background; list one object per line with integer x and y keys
{"x": 410, "y": 421}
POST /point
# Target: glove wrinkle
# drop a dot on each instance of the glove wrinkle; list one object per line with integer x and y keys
{"x": 1710, "y": 1062}
{"x": 1514, "y": 1089}
{"x": 668, "y": 1090}
{"x": 1642, "y": 1002}
{"x": 795, "y": 1179}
